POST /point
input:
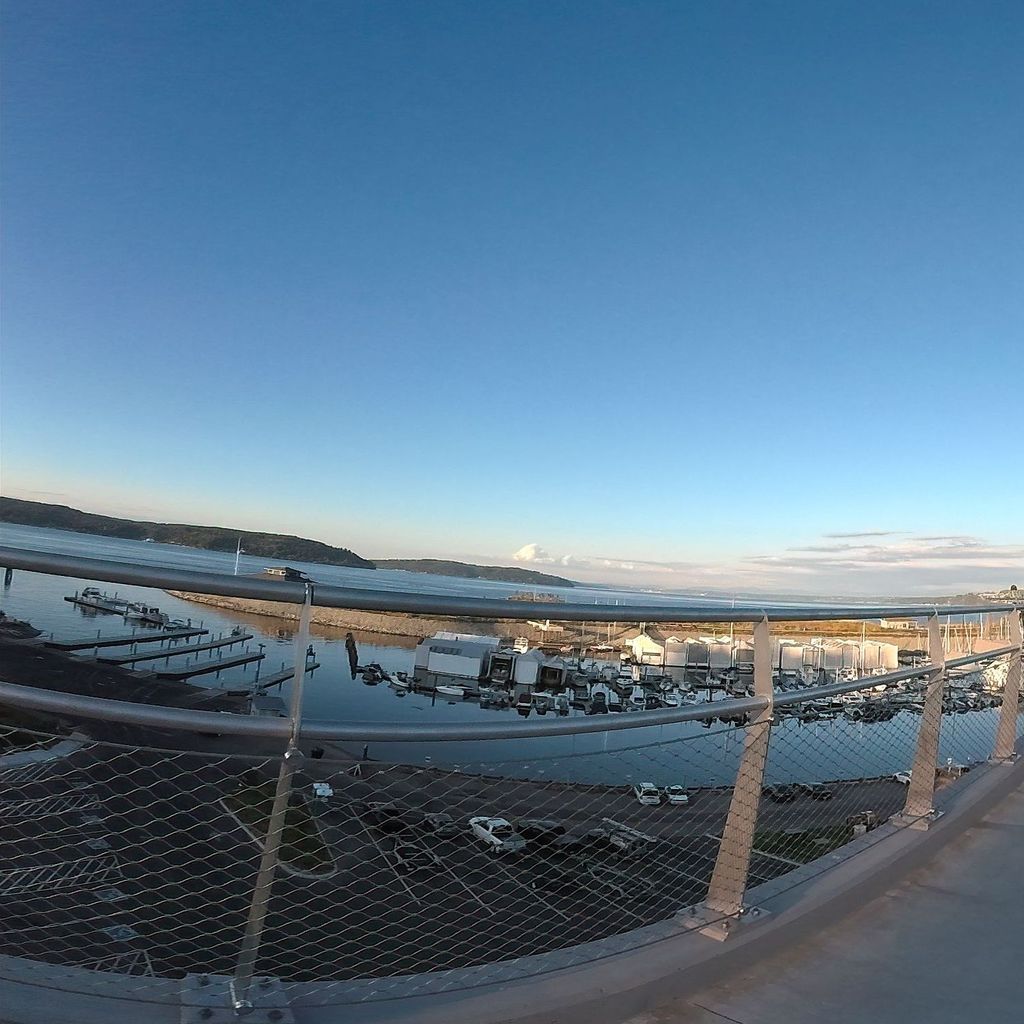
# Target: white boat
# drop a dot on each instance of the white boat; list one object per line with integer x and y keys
{"x": 637, "y": 699}
{"x": 521, "y": 645}
{"x": 398, "y": 683}
{"x": 145, "y": 613}
{"x": 94, "y": 598}
{"x": 452, "y": 691}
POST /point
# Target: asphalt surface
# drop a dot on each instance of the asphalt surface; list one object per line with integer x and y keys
{"x": 106, "y": 840}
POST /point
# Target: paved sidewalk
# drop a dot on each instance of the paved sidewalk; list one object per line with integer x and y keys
{"x": 944, "y": 947}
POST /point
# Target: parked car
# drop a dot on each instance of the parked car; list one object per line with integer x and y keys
{"x": 578, "y": 844}
{"x": 903, "y": 777}
{"x": 647, "y": 793}
{"x": 622, "y": 838}
{"x": 782, "y": 793}
{"x": 816, "y": 790}
{"x": 867, "y": 818}
{"x": 497, "y": 835}
{"x": 406, "y": 857}
{"x": 676, "y": 795}
{"x": 541, "y": 830}
{"x": 441, "y": 824}
{"x": 389, "y": 816}
{"x": 628, "y": 842}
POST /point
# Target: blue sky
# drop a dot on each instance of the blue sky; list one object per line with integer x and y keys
{"x": 663, "y": 292}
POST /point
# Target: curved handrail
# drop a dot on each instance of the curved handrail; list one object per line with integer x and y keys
{"x": 326, "y": 596}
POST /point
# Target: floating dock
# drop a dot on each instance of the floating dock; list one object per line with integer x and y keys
{"x": 174, "y": 652}
{"x": 284, "y": 675}
{"x": 123, "y": 639}
{"x": 205, "y": 667}
{"x": 113, "y": 606}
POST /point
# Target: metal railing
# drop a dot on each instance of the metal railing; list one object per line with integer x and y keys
{"x": 144, "y": 842}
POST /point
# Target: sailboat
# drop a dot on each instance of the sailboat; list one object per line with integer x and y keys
{"x": 238, "y": 552}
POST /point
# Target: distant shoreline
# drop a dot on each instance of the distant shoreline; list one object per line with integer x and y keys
{"x": 274, "y": 547}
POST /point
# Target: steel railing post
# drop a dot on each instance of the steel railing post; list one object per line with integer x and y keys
{"x": 241, "y": 982}
{"x": 920, "y": 793}
{"x": 724, "y": 902}
{"x": 1006, "y": 733}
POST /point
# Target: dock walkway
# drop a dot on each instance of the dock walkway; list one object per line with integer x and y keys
{"x": 123, "y": 639}
{"x": 174, "y": 652}
{"x": 284, "y": 675}
{"x": 205, "y": 667}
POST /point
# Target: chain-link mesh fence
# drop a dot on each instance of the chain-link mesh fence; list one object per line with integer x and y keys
{"x": 422, "y": 863}
{"x": 141, "y": 860}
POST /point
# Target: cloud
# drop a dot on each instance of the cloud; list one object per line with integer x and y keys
{"x": 572, "y": 562}
{"x": 872, "y": 562}
{"x": 533, "y": 553}
{"x": 863, "y": 533}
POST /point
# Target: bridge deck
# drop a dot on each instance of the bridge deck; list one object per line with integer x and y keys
{"x": 943, "y": 946}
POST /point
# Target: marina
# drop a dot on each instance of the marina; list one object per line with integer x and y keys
{"x": 524, "y": 675}
{"x": 176, "y": 652}
{"x": 123, "y": 639}
{"x": 206, "y": 667}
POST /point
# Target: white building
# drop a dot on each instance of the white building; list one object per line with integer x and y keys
{"x": 465, "y": 655}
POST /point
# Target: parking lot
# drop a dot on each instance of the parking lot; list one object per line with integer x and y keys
{"x": 130, "y": 857}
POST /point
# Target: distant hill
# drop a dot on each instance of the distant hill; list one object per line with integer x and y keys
{"x": 502, "y": 573}
{"x": 275, "y": 546}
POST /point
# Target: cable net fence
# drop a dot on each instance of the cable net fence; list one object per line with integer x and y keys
{"x": 142, "y": 861}
{"x": 422, "y": 865}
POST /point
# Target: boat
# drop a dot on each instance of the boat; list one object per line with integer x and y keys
{"x": 93, "y": 597}
{"x": 521, "y": 645}
{"x": 452, "y": 691}
{"x": 398, "y": 683}
{"x": 146, "y": 613}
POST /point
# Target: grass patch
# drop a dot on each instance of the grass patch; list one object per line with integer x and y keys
{"x": 803, "y": 845}
{"x": 301, "y": 844}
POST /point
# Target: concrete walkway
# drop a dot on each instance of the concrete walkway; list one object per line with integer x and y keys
{"x": 943, "y": 947}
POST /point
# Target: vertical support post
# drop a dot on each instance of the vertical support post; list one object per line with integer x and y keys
{"x": 724, "y": 902}
{"x": 241, "y": 982}
{"x": 920, "y": 792}
{"x": 1006, "y": 733}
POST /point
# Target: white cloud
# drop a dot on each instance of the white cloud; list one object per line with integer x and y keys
{"x": 867, "y": 563}
{"x": 533, "y": 553}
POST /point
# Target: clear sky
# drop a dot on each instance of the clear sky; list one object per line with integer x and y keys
{"x": 665, "y": 293}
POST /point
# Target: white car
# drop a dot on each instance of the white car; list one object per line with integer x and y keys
{"x": 497, "y": 835}
{"x": 676, "y": 795}
{"x": 903, "y": 777}
{"x": 648, "y": 794}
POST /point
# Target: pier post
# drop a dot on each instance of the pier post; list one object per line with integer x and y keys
{"x": 918, "y": 812}
{"x": 1006, "y": 733}
{"x": 724, "y": 902}
{"x": 245, "y": 966}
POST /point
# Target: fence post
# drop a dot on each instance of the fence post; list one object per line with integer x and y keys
{"x": 1006, "y": 733}
{"x": 241, "y": 982}
{"x": 918, "y": 811}
{"x": 724, "y": 902}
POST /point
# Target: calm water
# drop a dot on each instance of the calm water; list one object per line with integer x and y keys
{"x": 687, "y": 752}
